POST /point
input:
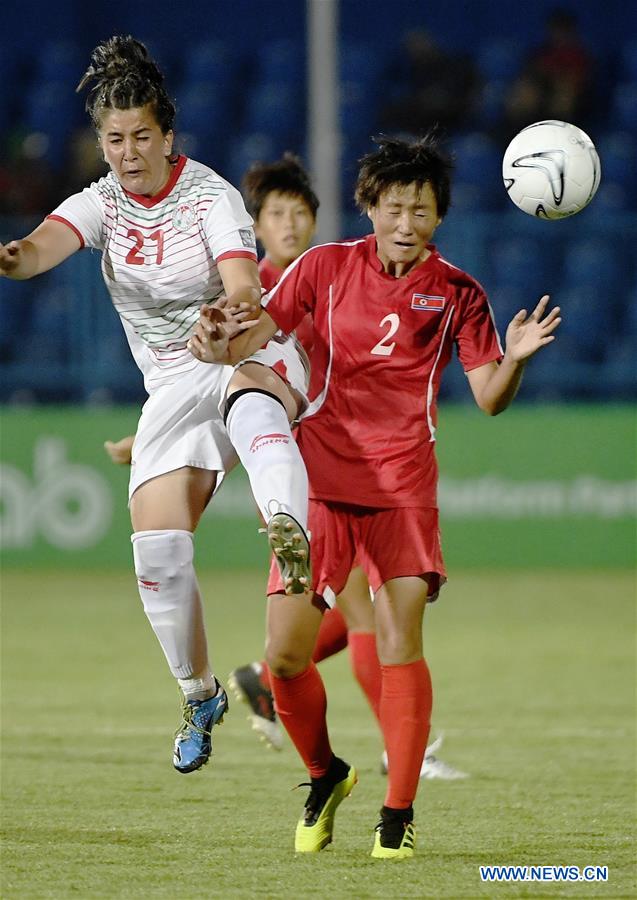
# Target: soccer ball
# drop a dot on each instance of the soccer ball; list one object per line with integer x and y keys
{"x": 551, "y": 169}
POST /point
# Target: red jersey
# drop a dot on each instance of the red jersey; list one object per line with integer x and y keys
{"x": 380, "y": 346}
{"x": 269, "y": 274}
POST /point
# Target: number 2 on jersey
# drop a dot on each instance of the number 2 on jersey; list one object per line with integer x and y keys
{"x": 383, "y": 348}
{"x": 135, "y": 257}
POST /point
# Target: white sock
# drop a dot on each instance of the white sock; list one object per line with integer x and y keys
{"x": 258, "y": 427}
{"x": 170, "y": 594}
{"x": 202, "y": 687}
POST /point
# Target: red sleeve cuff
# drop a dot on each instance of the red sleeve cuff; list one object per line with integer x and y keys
{"x": 491, "y": 357}
{"x": 70, "y": 225}
{"x": 237, "y": 254}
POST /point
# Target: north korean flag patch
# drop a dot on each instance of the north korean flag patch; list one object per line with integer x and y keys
{"x": 427, "y": 303}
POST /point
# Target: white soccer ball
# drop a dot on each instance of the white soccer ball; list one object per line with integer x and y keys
{"x": 551, "y": 169}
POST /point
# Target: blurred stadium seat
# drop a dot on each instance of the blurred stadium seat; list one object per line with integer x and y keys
{"x": 477, "y": 173}
{"x": 624, "y": 106}
{"x": 52, "y": 109}
{"x": 247, "y": 149}
{"x": 618, "y": 153}
{"x": 589, "y": 320}
{"x": 360, "y": 61}
{"x": 552, "y": 377}
{"x": 211, "y": 61}
{"x": 203, "y": 115}
{"x": 282, "y": 60}
{"x": 613, "y": 197}
{"x": 275, "y": 107}
{"x": 357, "y": 110}
{"x": 490, "y": 104}
{"x": 516, "y": 262}
{"x": 16, "y": 308}
{"x": 629, "y": 60}
{"x": 506, "y": 301}
{"x": 499, "y": 59}
{"x": 60, "y": 61}
{"x": 596, "y": 263}
{"x": 618, "y": 376}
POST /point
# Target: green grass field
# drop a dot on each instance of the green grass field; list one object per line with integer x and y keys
{"x": 534, "y": 678}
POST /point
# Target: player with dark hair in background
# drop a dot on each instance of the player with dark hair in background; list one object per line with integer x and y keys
{"x": 280, "y": 199}
{"x": 387, "y": 311}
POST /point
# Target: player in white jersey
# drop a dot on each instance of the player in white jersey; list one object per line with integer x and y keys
{"x": 174, "y": 235}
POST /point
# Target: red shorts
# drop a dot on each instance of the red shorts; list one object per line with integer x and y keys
{"x": 387, "y": 543}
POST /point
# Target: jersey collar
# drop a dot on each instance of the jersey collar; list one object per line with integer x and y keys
{"x": 148, "y": 202}
{"x": 376, "y": 264}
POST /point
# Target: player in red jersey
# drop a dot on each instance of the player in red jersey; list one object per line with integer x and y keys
{"x": 387, "y": 311}
{"x": 283, "y": 205}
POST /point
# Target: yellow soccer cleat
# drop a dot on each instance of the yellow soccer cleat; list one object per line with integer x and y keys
{"x": 315, "y": 828}
{"x": 395, "y": 835}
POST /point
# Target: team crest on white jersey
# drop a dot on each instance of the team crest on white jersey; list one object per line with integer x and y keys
{"x": 184, "y": 217}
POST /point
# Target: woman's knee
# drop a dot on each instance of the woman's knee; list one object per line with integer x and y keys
{"x": 285, "y": 663}
{"x": 260, "y": 377}
{"x": 396, "y": 646}
{"x": 292, "y": 627}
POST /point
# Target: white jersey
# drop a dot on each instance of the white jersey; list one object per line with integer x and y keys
{"x": 160, "y": 255}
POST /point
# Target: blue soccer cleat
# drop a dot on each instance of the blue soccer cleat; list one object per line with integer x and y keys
{"x": 193, "y": 738}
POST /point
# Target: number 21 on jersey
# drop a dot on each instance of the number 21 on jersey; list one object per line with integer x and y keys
{"x": 384, "y": 347}
{"x": 135, "y": 257}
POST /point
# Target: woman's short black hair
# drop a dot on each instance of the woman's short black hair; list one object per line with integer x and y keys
{"x": 286, "y": 175}
{"x": 403, "y": 162}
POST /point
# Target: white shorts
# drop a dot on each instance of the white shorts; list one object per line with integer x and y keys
{"x": 182, "y": 421}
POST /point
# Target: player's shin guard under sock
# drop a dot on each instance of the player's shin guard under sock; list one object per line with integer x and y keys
{"x": 332, "y": 636}
{"x": 257, "y": 424}
{"x": 301, "y": 705}
{"x": 170, "y": 594}
{"x": 405, "y": 714}
{"x": 366, "y": 667}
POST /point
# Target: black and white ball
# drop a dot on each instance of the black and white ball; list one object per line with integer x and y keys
{"x": 551, "y": 169}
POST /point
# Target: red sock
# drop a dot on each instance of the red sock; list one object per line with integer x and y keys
{"x": 332, "y": 636}
{"x": 301, "y": 705}
{"x": 405, "y": 714}
{"x": 264, "y": 676}
{"x": 366, "y": 668}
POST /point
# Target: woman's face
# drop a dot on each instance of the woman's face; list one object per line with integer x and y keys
{"x": 404, "y": 221}
{"x": 136, "y": 149}
{"x": 285, "y": 227}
